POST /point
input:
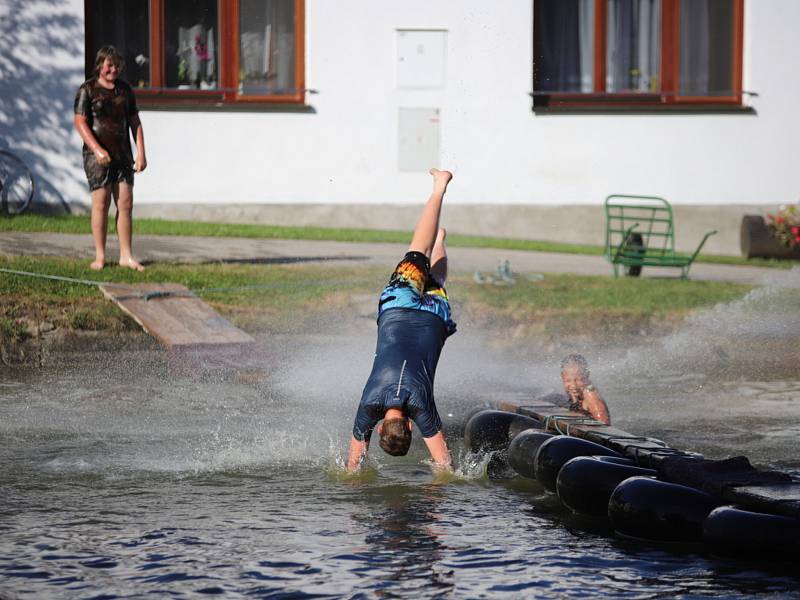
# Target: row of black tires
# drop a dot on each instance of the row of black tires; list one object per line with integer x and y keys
{"x": 593, "y": 480}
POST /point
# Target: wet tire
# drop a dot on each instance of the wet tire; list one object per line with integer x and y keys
{"x": 498, "y": 467}
{"x": 585, "y": 483}
{"x": 491, "y": 430}
{"x": 454, "y": 424}
{"x": 645, "y": 508}
{"x": 736, "y": 532}
{"x": 555, "y": 452}
{"x": 522, "y": 451}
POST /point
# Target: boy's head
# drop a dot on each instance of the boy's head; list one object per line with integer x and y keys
{"x": 575, "y": 362}
{"x": 114, "y": 58}
{"x": 395, "y": 436}
{"x": 574, "y": 373}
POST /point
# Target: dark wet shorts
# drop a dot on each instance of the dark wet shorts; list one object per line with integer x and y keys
{"x": 100, "y": 176}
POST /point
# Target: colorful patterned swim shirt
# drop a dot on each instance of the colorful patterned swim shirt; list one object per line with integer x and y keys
{"x": 412, "y": 286}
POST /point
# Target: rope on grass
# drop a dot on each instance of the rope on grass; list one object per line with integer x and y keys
{"x": 163, "y": 293}
{"x": 67, "y": 279}
{"x": 192, "y": 293}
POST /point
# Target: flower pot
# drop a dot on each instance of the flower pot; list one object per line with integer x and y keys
{"x": 756, "y": 240}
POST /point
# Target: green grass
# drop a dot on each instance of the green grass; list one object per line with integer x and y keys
{"x": 273, "y": 296}
{"x": 79, "y": 224}
{"x": 574, "y": 294}
{"x": 13, "y": 329}
{"x": 598, "y": 307}
{"x": 270, "y": 285}
{"x": 283, "y": 297}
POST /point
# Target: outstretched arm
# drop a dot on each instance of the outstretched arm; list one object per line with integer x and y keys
{"x": 437, "y": 446}
{"x": 356, "y": 454}
{"x": 597, "y": 407}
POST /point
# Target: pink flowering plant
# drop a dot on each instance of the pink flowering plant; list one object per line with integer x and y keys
{"x": 785, "y": 225}
{"x": 200, "y": 48}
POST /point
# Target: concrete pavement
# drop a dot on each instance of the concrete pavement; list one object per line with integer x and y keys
{"x": 576, "y": 223}
{"x": 270, "y": 251}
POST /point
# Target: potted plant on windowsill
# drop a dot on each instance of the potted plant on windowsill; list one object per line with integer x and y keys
{"x": 183, "y": 74}
{"x": 776, "y": 237}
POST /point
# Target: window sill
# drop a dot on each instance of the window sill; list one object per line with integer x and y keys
{"x": 253, "y": 107}
{"x": 644, "y": 109}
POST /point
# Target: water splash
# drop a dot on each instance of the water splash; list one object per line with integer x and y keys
{"x": 126, "y": 415}
{"x": 756, "y": 336}
{"x": 727, "y": 382}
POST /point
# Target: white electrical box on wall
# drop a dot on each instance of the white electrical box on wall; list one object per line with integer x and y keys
{"x": 418, "y": 139}
{"x": 421, "y": 57}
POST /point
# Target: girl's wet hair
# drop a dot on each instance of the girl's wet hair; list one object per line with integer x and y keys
{"x": 575, "y": 359}
{"x": 110, "y": 53}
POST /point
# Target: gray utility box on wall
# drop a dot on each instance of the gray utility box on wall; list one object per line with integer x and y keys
{"x": 418, "y": 139}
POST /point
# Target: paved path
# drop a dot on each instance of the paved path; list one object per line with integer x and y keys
{"x": 266, "y": 251}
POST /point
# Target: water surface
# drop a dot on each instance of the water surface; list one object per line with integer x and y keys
{"x": 119, "y": 480}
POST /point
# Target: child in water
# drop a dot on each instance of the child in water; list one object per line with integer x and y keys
{"x": 582, "y": 394}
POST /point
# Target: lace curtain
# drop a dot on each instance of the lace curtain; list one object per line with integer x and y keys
{"x": 633, "y": 45}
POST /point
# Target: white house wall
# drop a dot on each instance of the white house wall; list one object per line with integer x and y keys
{"x": 346, "y": 152}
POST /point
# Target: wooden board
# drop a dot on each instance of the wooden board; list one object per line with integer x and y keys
{"x": 175, "y": 317}
{"x": 779, "y": 498}
{"x": 557, "y": 418}
{"x": 198, "y": 339}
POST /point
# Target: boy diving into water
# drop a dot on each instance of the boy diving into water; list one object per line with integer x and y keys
{"x": 413, "y": 324}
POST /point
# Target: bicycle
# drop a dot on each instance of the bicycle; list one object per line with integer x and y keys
{"x": 16, "y": 185}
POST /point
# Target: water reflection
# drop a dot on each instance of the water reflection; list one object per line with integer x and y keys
{"x": 403, "y": 543}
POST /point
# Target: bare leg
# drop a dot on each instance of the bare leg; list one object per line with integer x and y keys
{"x": 123, "y": 193}
{"x": 439, "y": 257}
{"x": 428, "y": 224}
{"x": 101, "y": 200}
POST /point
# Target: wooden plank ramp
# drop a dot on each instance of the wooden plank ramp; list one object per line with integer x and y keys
{"x": 777, "y": 494}
{"x": 198, "y": 340}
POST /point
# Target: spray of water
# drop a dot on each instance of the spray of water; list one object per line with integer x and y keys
{"x": 726, "y": 382}
{"x": 128, "y": 415}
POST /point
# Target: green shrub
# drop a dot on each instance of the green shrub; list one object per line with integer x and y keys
{"x": 14, "y": 330}
{"x": 81, "y": 319}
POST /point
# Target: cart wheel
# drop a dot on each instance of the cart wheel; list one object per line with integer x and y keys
{"x": 634, "y": 246}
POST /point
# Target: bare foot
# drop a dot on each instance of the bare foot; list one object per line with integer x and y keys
{"x": 441, "y": 178}
{"x": 97, "y": 264}
{"x": 131, "y": 264}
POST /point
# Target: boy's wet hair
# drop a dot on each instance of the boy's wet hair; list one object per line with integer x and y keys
{"x": 395, "y": 437}
{"x": 110, "y": 53}
{"x": 575, "y": 359}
